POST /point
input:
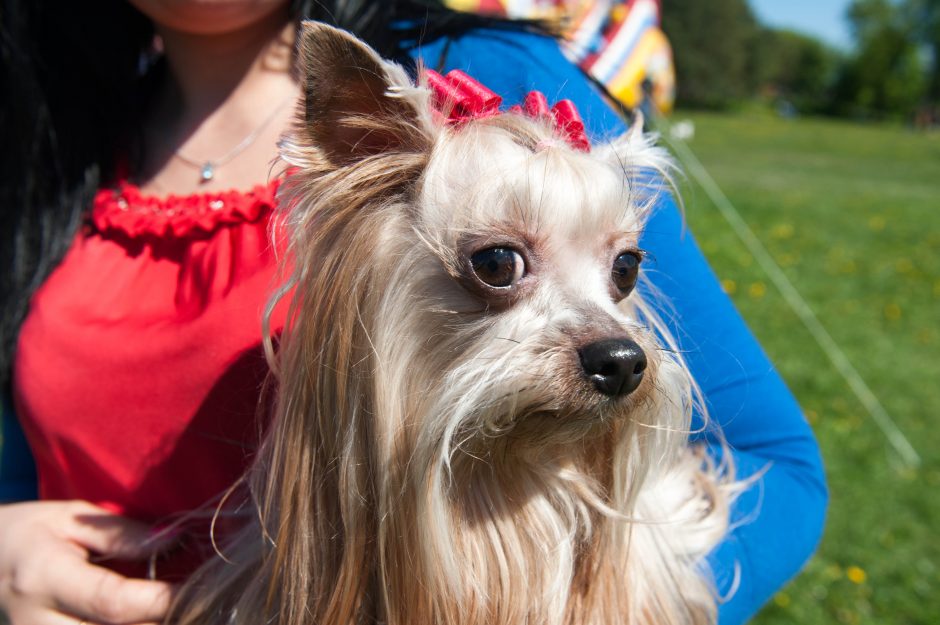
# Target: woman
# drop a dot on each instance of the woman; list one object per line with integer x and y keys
{"x": 134, "y": 284}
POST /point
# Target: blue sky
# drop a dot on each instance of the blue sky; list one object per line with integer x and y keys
{"x": 824, "y": 19}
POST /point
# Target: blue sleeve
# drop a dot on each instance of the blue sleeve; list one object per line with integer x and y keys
{"x": 777, "y": 522}
{"x": 17, "y": 469}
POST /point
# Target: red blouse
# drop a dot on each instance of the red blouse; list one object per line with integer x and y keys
{"x": 138, "y": 369}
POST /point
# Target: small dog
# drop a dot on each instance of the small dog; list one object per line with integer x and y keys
{"x": 477, "y": 422}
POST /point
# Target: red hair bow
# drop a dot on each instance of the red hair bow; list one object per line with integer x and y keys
{"x": 461, "y": 99}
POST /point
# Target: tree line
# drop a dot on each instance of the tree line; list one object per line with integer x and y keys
{"x": 723, "y": 56}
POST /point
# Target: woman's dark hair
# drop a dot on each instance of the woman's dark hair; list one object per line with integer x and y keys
{"x": 73, "y": 80}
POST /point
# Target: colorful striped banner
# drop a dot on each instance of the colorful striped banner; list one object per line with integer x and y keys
{"x": 619, "y": 43}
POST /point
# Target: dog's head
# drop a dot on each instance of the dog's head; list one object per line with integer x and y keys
{"x": 482, "y": 277}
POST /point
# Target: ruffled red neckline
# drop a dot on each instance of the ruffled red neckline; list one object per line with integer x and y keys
{"x": 126, "y": 209}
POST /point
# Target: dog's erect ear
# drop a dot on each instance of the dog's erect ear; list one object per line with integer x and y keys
{"x": 357, "y": 104}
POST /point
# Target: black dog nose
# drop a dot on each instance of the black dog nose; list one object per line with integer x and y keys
{"x": 615, "y": 366}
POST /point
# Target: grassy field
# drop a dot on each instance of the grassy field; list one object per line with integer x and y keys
{"x": 852, "y": 215}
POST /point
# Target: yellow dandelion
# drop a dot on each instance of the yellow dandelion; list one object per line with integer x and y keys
{"x": 782, "y": 231}
{"x": 892, "y": 312}
{"x": 782, "y": 599}
{"x": 856, "y": 574}
{"x": 812, "y": 416}
{"x": 904, "y": 265}
{"x": 877, "y": 223}
{"x": 757, "y": 290}
{"x": 729, "y": 286}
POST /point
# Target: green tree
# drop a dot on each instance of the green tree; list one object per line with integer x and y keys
{"x": 887, "y": 75}
{"x": 798, "y": 68}
{"x": 925, "y": 17}
{"x": 712, "y": 42}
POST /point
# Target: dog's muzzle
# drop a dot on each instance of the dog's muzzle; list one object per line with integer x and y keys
{"x": 615, "y": 366}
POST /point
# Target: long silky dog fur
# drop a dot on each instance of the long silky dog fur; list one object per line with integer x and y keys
{"x": 436, "y": 454}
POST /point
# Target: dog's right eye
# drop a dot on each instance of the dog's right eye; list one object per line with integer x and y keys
{"x": 625, "y": 271}
{"x": 499, "y": 267}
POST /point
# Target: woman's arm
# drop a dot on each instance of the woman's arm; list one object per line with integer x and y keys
{"x": 778, "y": 521}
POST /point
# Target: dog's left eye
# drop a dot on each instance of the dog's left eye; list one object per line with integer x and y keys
{"x": 498, "y": 266}
{"x": 625, "y": 271}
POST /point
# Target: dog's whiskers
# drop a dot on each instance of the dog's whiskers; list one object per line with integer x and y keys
{"x": 463, "y": 434}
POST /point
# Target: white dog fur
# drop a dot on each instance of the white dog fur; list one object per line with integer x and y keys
{"x": 437, "y": 454}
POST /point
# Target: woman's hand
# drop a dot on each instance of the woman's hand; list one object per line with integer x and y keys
{"x": 45, "y": 575}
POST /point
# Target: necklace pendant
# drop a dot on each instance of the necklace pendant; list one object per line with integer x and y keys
{"x": 207, "y": 172}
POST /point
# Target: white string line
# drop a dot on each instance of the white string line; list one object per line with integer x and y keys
{"x": 796, "y": 302}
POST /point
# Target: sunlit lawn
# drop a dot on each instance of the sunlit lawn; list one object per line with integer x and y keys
{"x": 852, "y": 214}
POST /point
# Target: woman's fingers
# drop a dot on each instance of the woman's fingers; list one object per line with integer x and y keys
{"x": 107, "y": 534}
{"x": 46, "y": 617}
{"x": 51, "y": 617}
{"x": 99, "y": 595}
{"x": 45, "y": 576}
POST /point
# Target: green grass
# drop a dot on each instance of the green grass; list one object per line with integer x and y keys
{"x": 852, "y": 215}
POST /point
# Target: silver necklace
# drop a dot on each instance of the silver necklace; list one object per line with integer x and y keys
{"x": 207, "y": 167}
